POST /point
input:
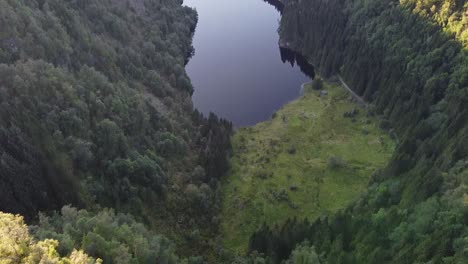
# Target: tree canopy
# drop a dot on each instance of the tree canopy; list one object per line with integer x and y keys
{"x": 409, "y": 60}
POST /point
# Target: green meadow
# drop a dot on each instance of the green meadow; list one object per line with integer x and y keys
{"x": 306, "y": 161}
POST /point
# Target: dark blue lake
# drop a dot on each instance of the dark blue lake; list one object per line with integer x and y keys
{"x": 237, "y": 71}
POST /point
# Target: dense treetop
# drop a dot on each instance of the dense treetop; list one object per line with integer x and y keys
{"x": 409, "y": 61}
{"x": 95, "y": 110}
{"x": 17, "y": 246}
{"x": 451, "y": 15}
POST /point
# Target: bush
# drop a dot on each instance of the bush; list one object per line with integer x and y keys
{"x": 336, "y": 162}
{"x": 291, "y": 150}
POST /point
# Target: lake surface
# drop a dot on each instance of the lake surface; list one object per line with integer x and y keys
{"x": 237, "y": 70}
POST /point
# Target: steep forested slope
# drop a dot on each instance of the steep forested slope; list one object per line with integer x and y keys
{"x": 410, "y": 60}
{"x": 95, "y": 110}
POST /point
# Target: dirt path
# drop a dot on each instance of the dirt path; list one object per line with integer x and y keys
{"x": 356, "y": 96}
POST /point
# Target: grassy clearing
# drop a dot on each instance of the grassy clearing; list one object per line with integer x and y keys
{"x": 308, "y": 160}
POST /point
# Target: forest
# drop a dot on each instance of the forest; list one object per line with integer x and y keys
{"x": 409, "y": 59}
{"x": 95, "y": 111}
{"x": 104, "y": 158}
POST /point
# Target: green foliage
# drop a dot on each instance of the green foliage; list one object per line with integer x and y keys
{"x": 336, "y": 162}
{"x": 268, "y": 184}
{"x": 17, "y": 246}
{"x": 409, "y": 60}
{"x": 71, "y": 84}
{"x": 95, "y": 109}
{"x": 304, "y": 254}
{"x": 115, "y": 238}
{"x": 451, "y": 15}
{"x": 170, "y": 144}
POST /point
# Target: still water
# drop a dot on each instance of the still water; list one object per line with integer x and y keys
{"x": 237, "y": 71}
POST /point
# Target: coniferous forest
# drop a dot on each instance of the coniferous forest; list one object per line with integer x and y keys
{"x": 409, "y": 59}
{"x": 96, "y": 113}
{"x": 105, "y": 159}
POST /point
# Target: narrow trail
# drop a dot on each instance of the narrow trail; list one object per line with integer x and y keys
{"x": 302, "y": 89}
{"x": 359, "y": 99}
{"x": 355, "y": 95}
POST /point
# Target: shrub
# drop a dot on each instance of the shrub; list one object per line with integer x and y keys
{"x": 336, "y": 162}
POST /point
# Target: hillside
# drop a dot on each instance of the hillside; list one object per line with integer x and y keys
{"x": 409, "y": 60}
{"x": 95, "y": 111}
{"x": 103, "y": 158}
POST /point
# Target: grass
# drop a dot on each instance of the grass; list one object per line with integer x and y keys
{"x": 306, "y": 161}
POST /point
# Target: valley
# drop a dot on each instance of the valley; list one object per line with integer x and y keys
{"x": 244, "y": 132}
{"x": 307, "y": 161}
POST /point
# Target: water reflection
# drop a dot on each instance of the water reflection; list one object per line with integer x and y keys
{"x": 277, "y": 4}
{"x": 293, "y": 58}
{"x": 237, "y": 71}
